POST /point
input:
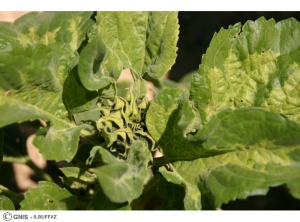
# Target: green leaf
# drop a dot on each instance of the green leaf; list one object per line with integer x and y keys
{"x": 240, "y": 152}
{"x": 61, "y": 28}
{"x": 90, "y": 67}
{"x": 145, "y": 42}
{"x": 79, "y": 175}
{"x": 12, "y": 110}
{"x": 101, "y": 202}
{"x": 108, "y": 94}
{"x": 123, "y": 181}
{"x": 294, "y": 188}
{"x": 1, "y": 145}
{"x": 192, "y": 199}
{"x": 95, "y": 155}
{"x": 57, "y": 143}
{"x": 87, "y": 116}
{"x": 257, "y": 65}
{"x": 82, "y": 155}
{"x": 6, "y": 203}
{"x": 76, "y": 97}
{"x": 178, "y": 118}
{"x": 14, "y": 197}
{"x": 228, "y": 131}
{"x": 233, "y": 175}
{"x": 186, "y": 80}
{"x": 48, "y": 196}
{"x": 140, "y": 88}
{"x": 122, "y": 86}
{"x": 8, "y": 36}
{"x": 35, "y": 64}
{"x": 172, "y": 195}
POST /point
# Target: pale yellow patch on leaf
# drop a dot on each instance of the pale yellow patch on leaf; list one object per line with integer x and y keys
{"x": 49, "y": 37}
{"x": 29, "y": 38}
{"x": 74, "y": 24}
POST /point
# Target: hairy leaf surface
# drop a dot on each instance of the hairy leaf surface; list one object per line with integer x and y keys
{"x": 48, "y": 196}
{"x": 124, "y": 181}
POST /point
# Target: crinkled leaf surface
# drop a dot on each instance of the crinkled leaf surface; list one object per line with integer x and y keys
{"x": 228, "y": 131}
{"x": 145, "y": 42}
{"x": 254, "y": 149}
{"x": 48, "y": 196}
{"x": 225, "y": 177}
{"x": 6, "y": 203}
{"x": 124, "y": 181}
{"x": 39, "y": 52}
{"x": 66, "y": 29}
{"x": 256, "y": 65}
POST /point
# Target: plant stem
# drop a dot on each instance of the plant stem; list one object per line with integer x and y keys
{"x": 27, "y": 161}
{"x": 15, "y": 198}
